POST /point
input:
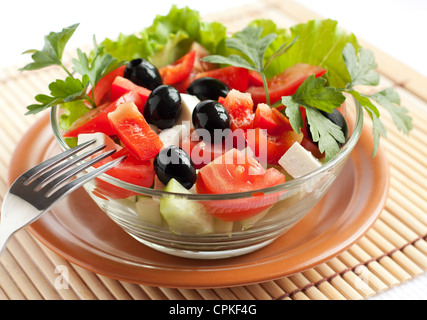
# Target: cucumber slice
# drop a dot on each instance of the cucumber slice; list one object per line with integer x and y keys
{"x": 222, "y": 226}
{"x": 250, "y": 222}
{"x": 182, "y": 215}
{"x": 149, "y": 211}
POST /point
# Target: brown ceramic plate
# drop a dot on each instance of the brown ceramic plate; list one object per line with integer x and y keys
{"x": 80, "y": 232}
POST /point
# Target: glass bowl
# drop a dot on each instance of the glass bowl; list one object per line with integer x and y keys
{"x": 138, "y": 209}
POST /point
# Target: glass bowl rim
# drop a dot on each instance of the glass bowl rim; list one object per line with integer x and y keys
{"x": 294, "y": 183}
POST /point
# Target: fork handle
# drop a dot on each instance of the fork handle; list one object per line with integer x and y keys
{"x": 4, "y": 238}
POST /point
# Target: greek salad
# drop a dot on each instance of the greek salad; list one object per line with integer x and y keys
{"x": 195, "y": 109}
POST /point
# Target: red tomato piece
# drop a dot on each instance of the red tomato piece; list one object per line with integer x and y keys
{"x": 203, "y": 153}
{"x": 255, "y": 79}
{"x": 135, "y": 133}
{"x": 96, "y": 120}
{"x": 233, "y": 77}
{"x": 179, "y": 70}
{"x": 201, "y": 52}
{"x": 236, "y": 172}
{"x": 198, "y": 66}
{"x": 270, "y": 119}
{"x": 102, "y": 89}
{"x": 270, "y": 148}
{"x": 121, "y": 85}
{"x": 285, "y": 83}
{"x": 130, "y": 170}
{"x": 312, "y": 147}
{"x": 239, "y": 106}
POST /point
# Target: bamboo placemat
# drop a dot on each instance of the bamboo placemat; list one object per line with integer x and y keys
{"x": 393, "y": 251}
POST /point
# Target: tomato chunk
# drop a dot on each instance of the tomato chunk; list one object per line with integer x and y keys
{"x": 239, "y": 106}
{"x": 130, "y": 170}
{"x": 255, "y": 79}
{"x": 135, "y": 133}
{"x": 285, "y": 83}
{"x": 270, "y": 119}
{"x": 233, "y": 77}
{"x": 270, "y": 148}
{"x": 102, "y": 89}
{"x": 203, "y": 153}
{"x": 237, "y": 172}
{"x": 178, "y": 70}
{"x": 121, "y": 85}
{"x": 96, "y": 120}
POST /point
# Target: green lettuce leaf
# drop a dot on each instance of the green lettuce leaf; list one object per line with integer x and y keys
{"x": 168, "y": 38}
{"x": 321, "y": 42}
{"x": 318, "y": 42}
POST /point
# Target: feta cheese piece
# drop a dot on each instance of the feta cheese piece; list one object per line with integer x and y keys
{"x": 297, "y": 161}
{"x": 173, "y": 136}
{"x": 189, "y": 102}
{"x": 100, "y": 139}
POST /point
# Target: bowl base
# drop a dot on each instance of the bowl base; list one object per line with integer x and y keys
{"x": 204, "y": 254}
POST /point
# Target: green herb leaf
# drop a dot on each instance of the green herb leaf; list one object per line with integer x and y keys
{"x": 61, "y": 91}
{"x": 326, "y": 133}
{"x": 250, "y": 43}
{"x": 378, "y": 130}
{"x": 100, "y": 65}
{"x": 390, "y": 100}
{"x": 253, "y": 46}
{"x": 313, "y": 93}
{"x": 362, "y": 69}
{"x": 365, "y": 102}
{"x": 293, "y": 112}
{"x": 73, "y": 111}
{"x": 53, "y": 49}
{"x": 233, "y": 60}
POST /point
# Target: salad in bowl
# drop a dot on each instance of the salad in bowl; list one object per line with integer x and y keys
{"x": 228, "y": 140}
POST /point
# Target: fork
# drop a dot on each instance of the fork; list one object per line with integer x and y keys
{"x": 39, "y": 188}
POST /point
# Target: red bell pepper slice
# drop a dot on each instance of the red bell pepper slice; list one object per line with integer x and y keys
{"x": 135, "y": 133}
{"x": 121, "y": 85}
{"x": 179, "y": 70}
{"x": 96, "y": 120}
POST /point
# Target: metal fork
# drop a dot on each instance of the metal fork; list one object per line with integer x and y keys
{"x": 39, "y": 188}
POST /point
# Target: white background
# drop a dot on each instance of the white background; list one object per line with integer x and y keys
{"x": 398, "y": 27}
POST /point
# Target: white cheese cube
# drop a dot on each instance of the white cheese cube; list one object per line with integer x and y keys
{"x": 297, "y": 161}
{"x": 189, "y": 102}
{"x": 100, "y": 139}
{"x": 173, "y": 136}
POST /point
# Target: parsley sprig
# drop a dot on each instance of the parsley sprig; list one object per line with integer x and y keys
{"x": 72, "y": 89}
{"x": 362, "y": 73}
{"x": 250, "y": 42}
{"x": 314, "y": 95}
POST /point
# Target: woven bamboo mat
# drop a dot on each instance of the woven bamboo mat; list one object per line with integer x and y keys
{"x": 393, "y": 251}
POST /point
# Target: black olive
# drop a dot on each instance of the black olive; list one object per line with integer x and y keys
{"x": 208, "y": 88}
{"x": 335, "y": 117}
{"x": 211, "y": 116}
{"x": 173, "y": 162}
{"x": 143, "y": 73}
{"x": 163, "y": 106}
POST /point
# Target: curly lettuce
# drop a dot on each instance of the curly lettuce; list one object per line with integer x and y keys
{"x": 168, "y": 38}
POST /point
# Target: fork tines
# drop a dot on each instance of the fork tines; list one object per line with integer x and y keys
{"x": 50, "y": 180}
